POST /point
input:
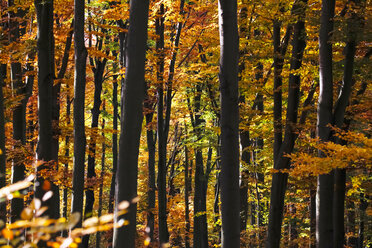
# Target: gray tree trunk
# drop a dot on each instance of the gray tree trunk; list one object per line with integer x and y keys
{"x": 229, "y": 178}
{"x": 132, "y": 96}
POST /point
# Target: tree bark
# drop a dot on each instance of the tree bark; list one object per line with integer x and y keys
{"x": 151, "y": 147}
{"x": 19, "y": 111}
{"x": 114, "y": 139}
{"x": 229, "y": 50}
{"x": 280, "y": 179}
{"x": 353, "y": 26}
{"x": 44, "y": 151}
{"x": 162, "y": 139}
{"x": 102, "y": 177}
{"x": 324, "y": 197}
{"x": 131, "y": 121}
{"x": 91, "y": 174}
{"x": 79, "y": 104}
{"x": 2, "y": 142}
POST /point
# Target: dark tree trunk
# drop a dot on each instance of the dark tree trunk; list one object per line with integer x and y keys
{"x": 102, "y": 177}
{"x": 114, "y": 140}
{"x": 2, "y": 142}
{"x": 67, "y": 155}
{"x": 91, "y": 173}
{"x": 187, "y": 191}
{"x": 79, "y": 104}
{"x": 162, "y": 139}
{"x": 312, "y": 211}
{"x": 44, "y": 151}
{"x": 200, "y": 216}
{"x": 324, "y": 197}
{"x": 229, "y": 178}
{"x": 132, "y": 95}
{"x": 19, "y": 112}
{"x": 280, "y": 179}
{"x": 353, "y": 24}
{"x": 151, "y": 147}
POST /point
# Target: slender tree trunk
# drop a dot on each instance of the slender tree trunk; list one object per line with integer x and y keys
{"x": 131, "y": 121}
{"x": 312, "y": 210}
{"x": 324, "y": 197}
{"x": 353, "y": 24}
{"x": 230, "y": 201}
{"x": 151, "y": 147}
{"x": 67, "y": 155}
{"x": 187, "y": 210}
{"x": 162, "y": 139}
{"x": 79, "y": 105}
{"x": 44, "y": 151}
{"x": 280, "y": 179}
{"x": 19, "y": 112}
{"x": 2, "y": 142}
{"x": 200, "y": 216}
{"x": 102, "y": 177}
{"x": 91, "y": 174}
{"x": 114, "y": 141}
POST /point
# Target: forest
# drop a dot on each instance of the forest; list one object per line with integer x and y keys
{"x": 185, "y": 123}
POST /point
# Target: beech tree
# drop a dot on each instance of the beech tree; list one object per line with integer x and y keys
{"x": 229, "y": 177}
{"x": 45, "y": 53}
{"x": 324, "y": 195}
{"x": 79, "y": 109}
{"x": 132, "y": 96}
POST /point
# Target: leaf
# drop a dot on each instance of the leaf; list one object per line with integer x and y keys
{"x": 47, "y": 196}
{"x": 8, "y": 234}
{"x": 123, "y": 205}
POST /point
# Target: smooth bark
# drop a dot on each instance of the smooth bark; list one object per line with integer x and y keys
{"x": 324, "y": 197}
{"x": 44, "y": 151}
{"x": 280, "y": 179}
{"x": 2, "y": 142}
{"x": 132, "y": 96}
{"x": 229, "y": 178}
{"x": 79, "y": 111}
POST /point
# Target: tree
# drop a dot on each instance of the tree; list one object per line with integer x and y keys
{"x": 79, "y": 109}
{"x": 324, "y": 196}
{"x": 45, "y": 52}
{"x": 2, "y": 141}
{"x": 280, "y": 179}
{"x": 131, "y": 120}
{"x": 229, "y": 177}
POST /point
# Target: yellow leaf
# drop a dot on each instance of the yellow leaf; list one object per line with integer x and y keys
{"x": 8, "y": 234}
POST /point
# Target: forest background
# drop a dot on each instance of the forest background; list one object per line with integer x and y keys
{"x": 304, "y": 101}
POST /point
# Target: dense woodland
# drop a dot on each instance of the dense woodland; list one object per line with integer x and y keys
{"x": 185, "y": 123}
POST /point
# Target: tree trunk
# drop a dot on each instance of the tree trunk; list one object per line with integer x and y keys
{"x": 280, "y": 179}
{"x": 230, "y": 198}
{"x": 114, "y": 140}
{"x": 102, "y": 177}
{"x": 312, "y": 210}
{"x": 187, "y": 210}
{"x": 2, "y": 142}
{"x": 19, "y": 112}
{"x": 67, "y": 155}
{"x": 162, "y": 139}
{"x": 91, "y": 174}
{"x": 151, "y": 147}
{"x": 79, "y": 111}
{"x": 324, "y": 197}
{"x": 131, "y": 121}
{"x": 353, "y": 24}
{"x": 44, "y": 151}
